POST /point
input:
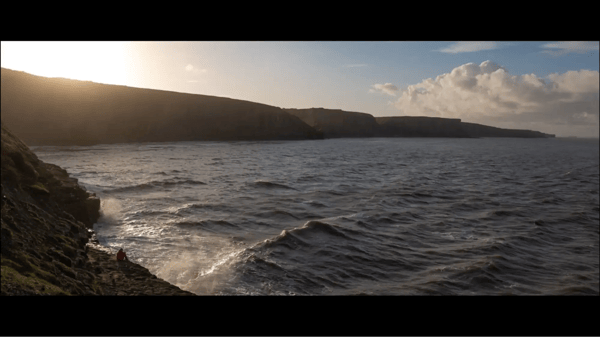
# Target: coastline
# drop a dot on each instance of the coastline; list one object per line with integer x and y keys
{"x": 47, "y": 220}
{"x": 108, "y": 114}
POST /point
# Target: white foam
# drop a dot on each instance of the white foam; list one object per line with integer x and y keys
{"x": 110, "y": 211}
{"x": 201, "y": 267}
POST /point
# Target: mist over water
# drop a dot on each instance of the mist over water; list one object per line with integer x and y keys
{"x": 382, "y": 216}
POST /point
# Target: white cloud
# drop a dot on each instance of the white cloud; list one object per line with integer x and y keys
{"x": 355, "y": 65}
{"x": 576, "y": 82}
{"x": 488, "y": 92}
{"x": 194, "y": 70}
{"x": 387, "y": 88}
{"x": 466, "y": 47}
{"x": 561, "y": 48}
{"x": 584, "y": 118}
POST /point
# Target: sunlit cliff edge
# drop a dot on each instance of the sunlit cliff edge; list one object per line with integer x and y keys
{"x": 46, "y": 230}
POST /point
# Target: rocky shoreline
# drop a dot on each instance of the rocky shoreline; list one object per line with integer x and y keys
{"x": 47, "y": 220}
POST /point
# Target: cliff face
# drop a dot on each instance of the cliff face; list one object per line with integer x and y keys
{"x": 338, "y": 123}
{"x": 56, "y": 111}
{"x": 478, "y": 130}
{"x": 420, "y": 127}
{"x": 46, "y": 225}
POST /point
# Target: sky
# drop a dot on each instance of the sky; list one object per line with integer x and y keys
{"x": 547, "y": 86}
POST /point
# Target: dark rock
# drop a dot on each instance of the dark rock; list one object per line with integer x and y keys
{"x": 33, "y": 253}
{"x": 60, "y": 257}
{"x": 6, "y": 241}
{"x": 92, "y": 205}
{"x": 42, "y": 236}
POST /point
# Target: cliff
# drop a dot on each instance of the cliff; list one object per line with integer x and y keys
{"x": 409, "y": 126}
{"x": 338, "y": 123}
{"x": 58, "y": 111}
{"x": 46, "y": 226}
{"x": 478, "y": 130}
{"x": 420, "y": 127}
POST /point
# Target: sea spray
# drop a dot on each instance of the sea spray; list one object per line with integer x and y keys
{"x": 201, "y": 267}
{"x": 110, "y": 218}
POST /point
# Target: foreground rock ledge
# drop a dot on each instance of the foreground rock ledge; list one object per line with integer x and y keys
{"x": 46, "y": 227}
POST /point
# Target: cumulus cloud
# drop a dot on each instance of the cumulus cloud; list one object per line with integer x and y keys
{"x": 561, "y": 48}
{"x": 466, "y": 47}
{"x": 387, "y": 88}
{"x": 488, "y": 92}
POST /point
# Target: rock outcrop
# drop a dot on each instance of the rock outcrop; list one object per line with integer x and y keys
{"x": 46, "y": 226}
{"x": 338, "y": 123}
{"x": 58, "y": 111}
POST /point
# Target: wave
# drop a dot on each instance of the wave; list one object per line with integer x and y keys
{"x": 310, "y": 234}
{"x": 268, "y": 184}
{"x": 158, "y": 183}
{"x": 330, "y": 192}
{"x": 189, "y": 208}
{"x": 278, "y": 214}
{"x": 337, "y": 260}
{"x": 310, "y": 178}
{"x": 315, "y": 204}
{"x": 496, "y": 213}
{"x": 212, "y": 225}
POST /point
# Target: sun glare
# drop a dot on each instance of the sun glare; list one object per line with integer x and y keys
{"x": 102, "y": 62}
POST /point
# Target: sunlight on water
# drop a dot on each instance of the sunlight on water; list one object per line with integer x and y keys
{"x": 458, "y": 216}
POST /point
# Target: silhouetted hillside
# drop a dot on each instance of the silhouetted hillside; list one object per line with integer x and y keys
{"x": 58, "y": 111}
{"x": 420, "y": 127}
{"x": 338, "y": 123}
{"x": 478, "y": 130}
{"x": 409, "y": 126}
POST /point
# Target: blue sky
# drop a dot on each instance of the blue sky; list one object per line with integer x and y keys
{"x": 548, "y": 86}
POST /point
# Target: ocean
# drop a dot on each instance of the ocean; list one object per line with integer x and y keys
{"x": 352, "y": 216}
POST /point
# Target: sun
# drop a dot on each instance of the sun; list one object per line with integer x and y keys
{"x": 100, "y": 61}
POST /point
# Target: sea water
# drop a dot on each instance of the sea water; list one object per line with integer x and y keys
{"x": 380, "y": 216}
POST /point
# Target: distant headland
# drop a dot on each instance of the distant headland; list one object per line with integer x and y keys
{"x": 339, "y": 123}
{"x": 58, "y": 111}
